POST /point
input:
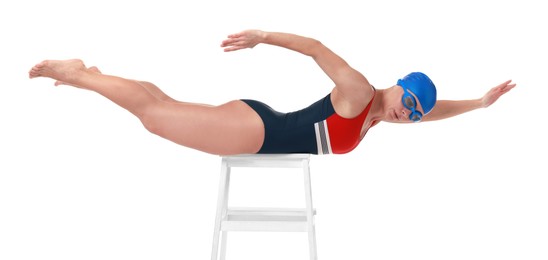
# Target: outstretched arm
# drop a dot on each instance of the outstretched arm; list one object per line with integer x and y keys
{"x": 251, "y": 38}
{"x": 350, "y": 82}
{"x": 449, "y": 108}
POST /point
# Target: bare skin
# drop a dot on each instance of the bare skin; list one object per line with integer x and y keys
{"x": 153, "y": 89}
{"x": 231, "y": 128}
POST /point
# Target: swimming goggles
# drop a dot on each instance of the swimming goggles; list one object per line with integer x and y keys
{"x": 410, "y": 103}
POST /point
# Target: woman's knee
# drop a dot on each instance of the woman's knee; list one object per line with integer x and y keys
{"x": 156, "y": 91}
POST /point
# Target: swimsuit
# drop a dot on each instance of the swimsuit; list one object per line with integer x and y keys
{"x": 316, "y": 129}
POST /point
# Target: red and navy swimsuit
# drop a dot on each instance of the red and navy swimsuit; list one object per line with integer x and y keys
{"x": 316, "y": 129}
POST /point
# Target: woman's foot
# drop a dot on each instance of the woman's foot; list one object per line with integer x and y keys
{"x": 63, "y": 71}
{"x": 90, "y": 69}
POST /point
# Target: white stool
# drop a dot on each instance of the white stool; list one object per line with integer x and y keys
{"x": 263, "y": 219}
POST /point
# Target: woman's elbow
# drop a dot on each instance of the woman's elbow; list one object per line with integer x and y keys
{"x": 315, "y": 48}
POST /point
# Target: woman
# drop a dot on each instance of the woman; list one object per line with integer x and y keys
{"x": 334, "y": 124}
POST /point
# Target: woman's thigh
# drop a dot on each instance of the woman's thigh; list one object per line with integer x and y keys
{"x": 231, "y": 128}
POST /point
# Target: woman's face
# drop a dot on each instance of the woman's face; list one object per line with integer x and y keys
{"x": 397, "y": 111}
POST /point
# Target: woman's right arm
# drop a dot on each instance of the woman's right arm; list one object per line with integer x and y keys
{"x": 350, "y": 83}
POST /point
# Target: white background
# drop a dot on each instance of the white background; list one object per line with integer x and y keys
{"x": 80, "y": 178}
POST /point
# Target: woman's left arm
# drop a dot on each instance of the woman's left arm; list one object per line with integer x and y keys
{"x": 449, "y": 108}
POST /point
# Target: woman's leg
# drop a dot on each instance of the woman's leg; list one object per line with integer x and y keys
{"x": 232, "y": 128}
{"x": 150, "y": 87}
{"x": 156, "y": 91}
{"x": 153, "y": 89}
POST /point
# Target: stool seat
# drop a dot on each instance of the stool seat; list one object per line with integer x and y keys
{"x": 267, "y": 160}
{"x": 263, "y": 219}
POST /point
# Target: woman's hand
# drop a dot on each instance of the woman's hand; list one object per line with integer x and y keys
{"x": 242, "y": 40}
{"x": 495, "y": 93}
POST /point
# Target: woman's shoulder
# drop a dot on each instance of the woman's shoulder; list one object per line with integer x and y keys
{"x": 350, "y": 106}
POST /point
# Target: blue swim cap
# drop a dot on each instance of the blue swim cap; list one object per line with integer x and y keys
{"x": 422, "y": 87}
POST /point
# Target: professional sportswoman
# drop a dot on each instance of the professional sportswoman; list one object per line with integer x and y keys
{"x": 335, "y": 124}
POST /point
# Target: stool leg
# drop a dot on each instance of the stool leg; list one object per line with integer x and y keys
{"x": 221, "y": 209}
{"x": 309, "y": 211}
{"x": 225, "y": 213}
{"x": 223, "y": 245}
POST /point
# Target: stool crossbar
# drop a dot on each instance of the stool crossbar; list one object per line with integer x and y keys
{"x": 262, "y": 219}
